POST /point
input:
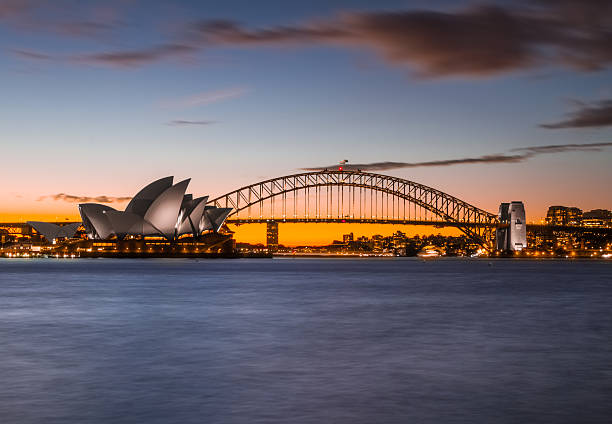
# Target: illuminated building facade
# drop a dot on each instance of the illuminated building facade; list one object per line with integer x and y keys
{"x": 563, "y": 215}
{"x": 514, "y": 236}
{"x": 272, "y": 236}
{"x": 597, "y": 218}
{"x": 161, "y": 209}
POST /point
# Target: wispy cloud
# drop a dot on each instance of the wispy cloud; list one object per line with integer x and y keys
{"x": 84, "y": 199}
{"x": 84, "y": 28}
{"x": 120, "y": 58}
{"x": 384, "y": 166}
{"x": 560, "y": 148}
{"x": 185, "y": 122}
{"x": 135, "y": 58}
{"x": 597, "y": 114}
{"x": 205, "y": 98}
{"x": 522, "y": 154}
{"x": 30, "y": 54}
{"x": 475, "y": 42}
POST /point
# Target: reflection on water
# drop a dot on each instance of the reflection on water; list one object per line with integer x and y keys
{"x": 305, "y": 341}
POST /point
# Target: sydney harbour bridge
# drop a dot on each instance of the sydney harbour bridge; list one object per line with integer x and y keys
{"x": 348, "y": 196}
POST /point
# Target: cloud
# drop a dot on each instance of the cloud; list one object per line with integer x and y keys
{"x": 383, "y": 166}
{"x": 205, "y": 98}
{"x": 484, "y": 41}
{"x": 84, "y": 199}
{"x": 135, "y": 58}
{"x": 29, "y": 54}
{"x": 598, "y": 114}
{"x": 83, "y": 28}
{"x": 560, "y": 148}
{"x": 229, "y": 32}
{"x": 475, "y": 42}
{"x": 522, "y": 154}
{"x": 184, "y": 122}
{"x": 120, "y": 58}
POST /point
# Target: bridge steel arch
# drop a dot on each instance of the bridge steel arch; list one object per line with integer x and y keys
{"x": 476, "y": 223}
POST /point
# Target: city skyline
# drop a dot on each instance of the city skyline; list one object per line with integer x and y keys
{"x": 497, "y": 104}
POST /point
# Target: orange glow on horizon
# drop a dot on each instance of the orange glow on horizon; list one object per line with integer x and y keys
{"x": 323, "y": 234}
{"x": 289, "y": 234}
{"x": 39, "y": 216}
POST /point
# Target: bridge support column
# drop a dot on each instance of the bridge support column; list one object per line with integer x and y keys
{"x": 272, "y": 236}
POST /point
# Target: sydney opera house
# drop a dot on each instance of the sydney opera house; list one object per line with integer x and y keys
{"x": 160, "y": 210}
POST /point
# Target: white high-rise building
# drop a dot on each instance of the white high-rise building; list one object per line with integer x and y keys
{"x": 514, "y": 236}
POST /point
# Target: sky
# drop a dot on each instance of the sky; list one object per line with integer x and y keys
{"x": 490, "y": 101}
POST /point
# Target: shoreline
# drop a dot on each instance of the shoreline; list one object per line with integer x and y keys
{"x": 160, "y": 255}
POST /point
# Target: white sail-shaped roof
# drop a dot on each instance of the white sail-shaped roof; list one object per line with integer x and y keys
{"x": 95, "y": 221}
{"x": 48, "y": 230}
{"x": 187, "y": 199}
{"x": 53, "y": 231}
{"x": 213, "y": 218}
{"x": 186, "y": 206}
{"x": 164, "y": 211}
{"x": 145, "y": 197}
{"x": 124, "y": 223}
{"x": 191, "y": 216}
{"x": 69, "y": 230}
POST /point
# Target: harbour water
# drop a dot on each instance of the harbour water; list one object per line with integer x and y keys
{"x": 390, "y": 340}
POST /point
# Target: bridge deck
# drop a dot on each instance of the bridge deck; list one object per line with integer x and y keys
{"x": 437, "y": 223}
{"x": 540, "y": 228}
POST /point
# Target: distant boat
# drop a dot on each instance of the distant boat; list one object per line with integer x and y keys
{"x": 429, "y": 252}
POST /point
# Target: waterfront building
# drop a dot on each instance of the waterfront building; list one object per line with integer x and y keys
{"x": 398, "y": 240}
{"x": 563, "y": 215}
{"x": 574, "y": 216}
{"x": 17, "y": 229}
{"x": 597, "y": 218}
{"x": 378, "y": 243}
{"x": 272, "y": 236}
{"x": 513, "y": 236}
{"x": 346, "y": 238}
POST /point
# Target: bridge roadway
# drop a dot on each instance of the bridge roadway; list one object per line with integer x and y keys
{"x": 539, "y": 228}
{"x": 437, "y": 224}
